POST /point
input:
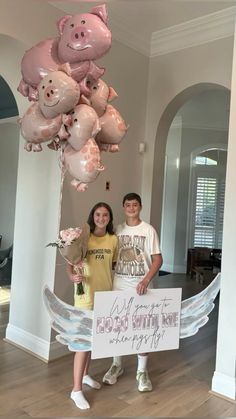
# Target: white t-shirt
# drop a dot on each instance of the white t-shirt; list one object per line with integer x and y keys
{"x": 136, "y": 246}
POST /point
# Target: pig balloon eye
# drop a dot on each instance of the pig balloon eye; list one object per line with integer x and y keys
{"x": 75, "y": 120}
{"x": 43, "y": 87}
{"x": 72, "y": 25}
{"x": 94, "y": 87}
{"x": 50, "y": 81}
{"x": 83, "y": 22}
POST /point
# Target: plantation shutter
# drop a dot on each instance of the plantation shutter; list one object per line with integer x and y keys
{"x": 220, "y": 213}
{"x": 208, "y": 212}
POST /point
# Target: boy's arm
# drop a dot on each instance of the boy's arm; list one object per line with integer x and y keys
{"x": 154, "y": 268}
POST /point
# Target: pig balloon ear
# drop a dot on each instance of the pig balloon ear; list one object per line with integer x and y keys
{"x": 84, "y": 100}
{"x": 61, "y": 23}
{"x": 65, "y": 68}
{"x": 100, "y": 11}
{"x": 112, "y": 94}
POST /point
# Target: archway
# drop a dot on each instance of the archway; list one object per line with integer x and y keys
{"x": 200, "y": 123}
{"x": 9, "y": 143}
{"x": 161, "y": 140}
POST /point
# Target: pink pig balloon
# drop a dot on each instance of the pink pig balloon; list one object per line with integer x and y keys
{"x": 58, "y": 92}
{"x": 84, "y": 36}
{"x": 36, "y": 129}
{"x": 36, "y": 63}
{"x": 99, "y": 95}
{"x": 74, "y": 45}
{"x": 84, "y": 165}
{"x": 113, "y": 130}
{"x": 84, "y": 125}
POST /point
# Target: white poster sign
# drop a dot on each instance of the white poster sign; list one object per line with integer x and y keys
{"x": 126, "y": 323}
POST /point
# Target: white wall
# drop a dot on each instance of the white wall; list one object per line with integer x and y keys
{"x": 9, "y": 146}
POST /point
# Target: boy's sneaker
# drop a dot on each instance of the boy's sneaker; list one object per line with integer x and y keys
{"x": 112, "y": 374}
{"x": 144, "y": 382}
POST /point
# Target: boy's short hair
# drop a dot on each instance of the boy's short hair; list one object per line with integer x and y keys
{"x": 131, "y": 196}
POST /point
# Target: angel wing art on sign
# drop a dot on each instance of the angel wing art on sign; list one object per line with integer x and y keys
{"x": 74, "y": 326}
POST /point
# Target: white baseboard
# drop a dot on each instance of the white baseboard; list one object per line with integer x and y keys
{"x": 57, "y": 350}
{"x": 47, "y": 351}
{"x": 177, "y": 269}
{"x": 224, "y": 385}
{"x": 167, "y": 268}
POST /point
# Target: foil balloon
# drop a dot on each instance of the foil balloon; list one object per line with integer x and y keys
{"x": 84, "y": 165}
{"x": 37, "y": 129}
{"x": 58, "y": 92}
{"x": 113, "y": 130}
{"x": 100, "y": 95}
{"x": 84, "y": 125}
{"x": 84, "y": 36}
{"x": 47, "y": 119}
{"x": 82, "y": 39}
{"x": 36, "y": 63}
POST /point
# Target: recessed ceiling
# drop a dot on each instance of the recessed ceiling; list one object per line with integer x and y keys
{"x": 144, "y": 17}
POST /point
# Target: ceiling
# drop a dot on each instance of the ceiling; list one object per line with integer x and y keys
{"x": 145, "y": 17}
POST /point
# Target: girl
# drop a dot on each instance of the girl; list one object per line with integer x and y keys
{"x": 101, "y": 255}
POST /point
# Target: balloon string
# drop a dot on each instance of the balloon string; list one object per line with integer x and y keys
{"x": 62, "y": 167}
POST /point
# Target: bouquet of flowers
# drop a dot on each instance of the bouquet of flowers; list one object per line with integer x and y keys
{"x": 72, "y": 244}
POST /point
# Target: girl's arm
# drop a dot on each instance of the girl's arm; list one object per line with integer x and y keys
{"x": 74, "y": 277}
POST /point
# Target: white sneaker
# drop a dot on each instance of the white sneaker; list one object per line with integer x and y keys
{"x": 144, "y": 382}
{"x": 112, "y": 374}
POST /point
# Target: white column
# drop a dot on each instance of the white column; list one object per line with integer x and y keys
{"x": 36, "y": 224}
{"x": 223, "y": 381}
{"x": 170, "y": 196}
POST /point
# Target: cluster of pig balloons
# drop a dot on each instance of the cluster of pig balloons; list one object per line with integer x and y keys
{"x": 70, "y": 108}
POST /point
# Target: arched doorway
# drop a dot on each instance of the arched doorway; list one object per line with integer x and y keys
{"x": 9, "y": 143}
{"x": 200, "y": 124}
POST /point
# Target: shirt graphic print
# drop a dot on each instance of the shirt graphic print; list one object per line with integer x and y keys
{"x": 131, "y": 256}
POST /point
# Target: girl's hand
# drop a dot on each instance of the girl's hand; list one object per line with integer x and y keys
{"x": 76, "y": 278}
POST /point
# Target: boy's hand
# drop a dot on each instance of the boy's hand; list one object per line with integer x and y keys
{"x": 142, "y": 287}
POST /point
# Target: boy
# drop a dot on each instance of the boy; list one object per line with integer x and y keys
{"x": 139, "y": 259}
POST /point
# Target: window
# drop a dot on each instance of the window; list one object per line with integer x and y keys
{"x": 208, "y": 191}
{"x": 205, "y": 161}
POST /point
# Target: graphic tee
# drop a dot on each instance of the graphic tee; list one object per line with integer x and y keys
{"x": 102, "y": 251}
{"x": 136, "y": 246}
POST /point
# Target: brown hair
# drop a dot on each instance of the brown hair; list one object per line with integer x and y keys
{"x": 109, "y": 227}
